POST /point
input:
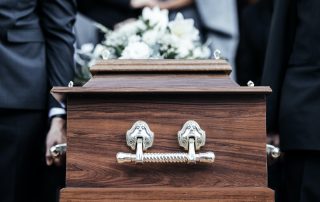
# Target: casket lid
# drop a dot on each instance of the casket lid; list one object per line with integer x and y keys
{"x": 161, "y": 66}
{"x": 161, "y": 76}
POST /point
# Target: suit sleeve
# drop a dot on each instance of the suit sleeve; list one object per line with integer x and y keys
{"x": 57, "y": 18}
{"x": 279, "y": 49}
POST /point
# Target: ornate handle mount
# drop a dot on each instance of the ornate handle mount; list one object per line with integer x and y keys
{"x": 191, "y": 137}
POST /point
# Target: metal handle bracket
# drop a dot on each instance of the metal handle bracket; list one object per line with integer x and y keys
{"x": 191, "y": 137}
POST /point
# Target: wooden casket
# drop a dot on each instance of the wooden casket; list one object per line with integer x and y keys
{"x": 165, "y": 130}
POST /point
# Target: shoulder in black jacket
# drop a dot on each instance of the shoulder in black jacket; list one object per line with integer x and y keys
{"x": 36, "y": 51}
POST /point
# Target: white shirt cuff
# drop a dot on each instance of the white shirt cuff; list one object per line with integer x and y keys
{"x": 56, "y": 111}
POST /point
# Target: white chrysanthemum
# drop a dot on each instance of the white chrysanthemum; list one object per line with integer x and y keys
{"x": 184, "y": 28}
{"x": 156, "y": 18}
{"x": 136, "y": 50}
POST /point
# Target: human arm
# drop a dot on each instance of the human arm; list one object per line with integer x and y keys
{"x": 57, "y": 18}
{"x": 174, "y": 4}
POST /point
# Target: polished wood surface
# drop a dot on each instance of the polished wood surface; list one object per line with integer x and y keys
{"x": 165, "y": 94}
{"x": 164, "y": 66}
{"x": 159, "y": 82}
{"x": 166, "y": 194}
{"x": 234, "y": 125}
{"x": 182, "y": 90}
{"x": 160, "y": 75}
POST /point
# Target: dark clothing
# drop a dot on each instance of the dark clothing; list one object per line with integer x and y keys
{"x": 292, "y": 69}
{"x": 306, "y": 50}
{"x": 301, "y": 177}
{"x": 107, "y": 12}
{"x": 277, "y": 57}
{"x": 22, "y": 141}
{"x": 300, "y": 101}
{"x": 24, "y": 174}
{"x": 36, "y": 51}
{"x": 255, "y": 22}
{"x": 299, "y": 116}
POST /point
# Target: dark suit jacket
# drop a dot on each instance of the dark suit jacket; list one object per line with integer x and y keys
{"x": 255, "y": 23}
{"x": 292, "y": 69}
{"x": 36, "y": 51}
{"x": 107, "y": 12}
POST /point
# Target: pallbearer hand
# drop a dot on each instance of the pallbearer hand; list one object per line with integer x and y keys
{"x": 56, "y": 135}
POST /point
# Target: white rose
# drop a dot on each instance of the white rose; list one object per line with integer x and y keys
{"x": 137, "y": 50}
{"x": 157, "y": 18}
{"x": 184, "y": 28}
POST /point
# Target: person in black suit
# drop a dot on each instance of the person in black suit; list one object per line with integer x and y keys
{"x": 36, "y": 53}
{"x": 255, "y": 23}
{"x": 292, "y": 69}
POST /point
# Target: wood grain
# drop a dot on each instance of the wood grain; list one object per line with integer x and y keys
{"x": 249, "y": 194}
{"x": 235, "y": 128}
{"x": 151, "y": 90}
{"x": 159, "y": 81}
{"x": 164, "y": 66}
{"x": 165, "y": 94}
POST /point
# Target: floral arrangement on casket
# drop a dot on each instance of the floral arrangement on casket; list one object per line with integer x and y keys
{"x": 152, "y": 36}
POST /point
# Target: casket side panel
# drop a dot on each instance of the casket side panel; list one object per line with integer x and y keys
{"x": 234, "y": 125}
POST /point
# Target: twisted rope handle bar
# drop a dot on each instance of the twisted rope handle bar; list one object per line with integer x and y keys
{"x": 207, "y": 157}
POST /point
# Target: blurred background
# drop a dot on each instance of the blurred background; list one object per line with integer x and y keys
{"x": 238, "y": 28}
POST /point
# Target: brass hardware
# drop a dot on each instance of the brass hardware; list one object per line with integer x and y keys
{"x": 191, "y": 137}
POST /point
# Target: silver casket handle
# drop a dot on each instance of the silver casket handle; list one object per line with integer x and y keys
{"x": 140, "y": 138}
{"x": 191, "y": 137}
{"x": 58, "y": 150}
{"x": 273, "y": 151}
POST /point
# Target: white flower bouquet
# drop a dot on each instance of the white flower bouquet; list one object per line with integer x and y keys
{"x": 152, "y": 36}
